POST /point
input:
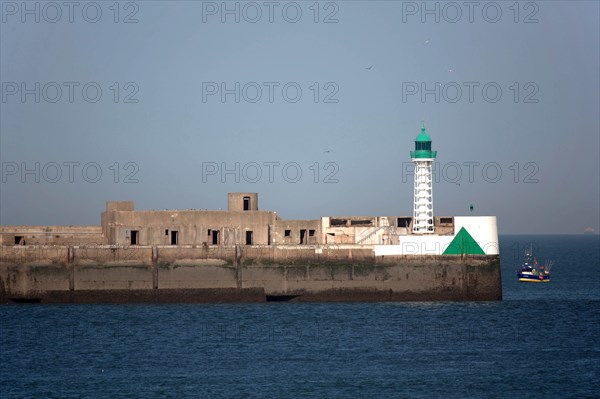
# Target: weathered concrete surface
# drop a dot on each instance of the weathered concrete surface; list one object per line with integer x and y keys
{"x": 209, "y": 273}
{"x": 52, "y": 235}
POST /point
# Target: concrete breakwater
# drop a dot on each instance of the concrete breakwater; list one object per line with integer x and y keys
{"x": 238, "y": 273}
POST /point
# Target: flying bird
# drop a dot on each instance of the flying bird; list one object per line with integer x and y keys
{"x": 369, "y": 68}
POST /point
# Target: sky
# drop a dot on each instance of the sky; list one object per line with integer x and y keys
{"x": 314, "y": 105}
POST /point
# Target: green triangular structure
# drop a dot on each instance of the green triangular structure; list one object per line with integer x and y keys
{"x": 463, "y": 243}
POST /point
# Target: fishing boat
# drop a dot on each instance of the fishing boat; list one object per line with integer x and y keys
{"x": 531, "y": 271}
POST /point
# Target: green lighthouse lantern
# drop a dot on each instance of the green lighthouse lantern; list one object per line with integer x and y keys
{"x": 423, "y": 146}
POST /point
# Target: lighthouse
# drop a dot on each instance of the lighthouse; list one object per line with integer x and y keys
{"x": 423, "y": 158}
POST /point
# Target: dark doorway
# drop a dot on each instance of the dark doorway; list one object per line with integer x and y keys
{"x": 215, "y": 237}
{"x": 134, "y": 237}
{"x": 246, "y": 203}
{"x": 404, "y": 222}
{"x": 19, "y": 240}
{"x": 249, "y": 238}
{"x": 303, "y": 236}
{"x": 174, "y": 237}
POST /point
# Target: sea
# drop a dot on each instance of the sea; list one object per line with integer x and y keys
{"x": 540, "y": 341}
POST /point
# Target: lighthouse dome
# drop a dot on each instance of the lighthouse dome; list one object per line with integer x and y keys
{"x": 423, "y": 136}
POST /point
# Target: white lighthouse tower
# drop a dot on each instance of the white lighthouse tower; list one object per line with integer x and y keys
{"x": 423, "y": 158}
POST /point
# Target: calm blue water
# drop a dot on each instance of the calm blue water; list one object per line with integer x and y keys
{"x": 543, "y": 340}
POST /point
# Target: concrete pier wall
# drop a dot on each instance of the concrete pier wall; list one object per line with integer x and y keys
{"x": 240, "y": 273}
